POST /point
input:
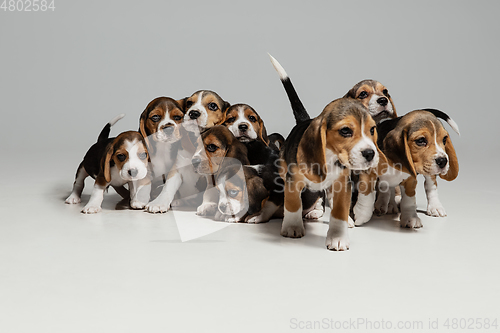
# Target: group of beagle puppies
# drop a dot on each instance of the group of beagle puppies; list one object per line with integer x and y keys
{"x": 357, "y": 156}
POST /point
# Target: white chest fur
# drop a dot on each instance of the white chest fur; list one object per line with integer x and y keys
{"x": 333, "y": 172}
{"x": 393, "y": 177}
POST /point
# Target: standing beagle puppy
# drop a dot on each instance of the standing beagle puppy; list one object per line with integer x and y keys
{"x": 114, "y": 162}
{"x": 319, "y": 154}
{"x": 203, "y": 110}
{"x": 416, "y": 143}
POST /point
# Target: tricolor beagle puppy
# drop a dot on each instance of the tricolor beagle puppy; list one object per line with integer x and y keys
{"x": 416, "y": 143}
{"x": 203, "y": 110}
{"x": 244, "y": 122}
{"x": 319, "y": 154}
{"x": 375, "y": 97}
{"x": 116, "y": 162}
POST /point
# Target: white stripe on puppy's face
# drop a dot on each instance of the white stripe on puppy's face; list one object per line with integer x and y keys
{"x": 364, "y": 154}
{"x": 196, "y": 115}
{"x": 135, "y": 166}
{"x": 168, "y": 129}
{"x": 440, "y": 154}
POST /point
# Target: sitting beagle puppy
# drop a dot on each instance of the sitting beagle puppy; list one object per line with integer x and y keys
{"x": 244, "y": 122}
{"x": 116, "y": 162}
{"x": 319, "y": 154}
{"x": 416, "y": 143}
{"x": 202, "y": 110}
{"x": 375, "y": 97}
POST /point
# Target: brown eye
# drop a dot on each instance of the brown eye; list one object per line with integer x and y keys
{"x": 156, "y": 118}
{"x": 444, "y": 140}
{"x": 372, "y": 130}
{"x": 231, "y": 120}
{"x": 211, "y": 147}
{"x": 252, "y": 119}
{"x": 346, "y": 132}
{"x": 143, "y": 156}
{"x": 385, "y": 92}
{"x": 363, "y": 95}
{"x": 233, "y": 193}
{"x": 121, "y": 157}
{"x": 422, "y": 142}
{"x": 176, "y": 118}
{"x": 189, "y": 104}
{"x": 212, "y": 106}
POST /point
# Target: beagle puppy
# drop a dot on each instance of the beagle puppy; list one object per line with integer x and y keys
{"x": 375, "y": 97}
{"x": 160, "y": 125}
{"x": 202, "y": 110}
{"x": 319, "y": 154}
{"x": 244, "y": 122}
{"x": 416, "y": 143}
{"x": 114, "y": 162}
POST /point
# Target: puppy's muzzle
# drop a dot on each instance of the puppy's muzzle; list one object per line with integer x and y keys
{"x": 168, "y": 130}
{"x": 441, "y": 162}
{"x": 196, "y": 162}
{"x": 368, "y": 154}
{"x": 243, "y": 127}
{"x": 382, "y": 101}
{"x": 194, "y": 114}
{"x": 133, "y": 172}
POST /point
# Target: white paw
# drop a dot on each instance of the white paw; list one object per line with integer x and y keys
{"x": 314, "y": 214}
{"x": 411, "y": 221}
{"x": 350, "y": 222}
{"x": 156, "y": 207}
{"x": 293, "y": 231}
{"x": 91, "y": 209}
{"x": 337, "y": 243}
{"x": 381, "y": 207}
{"x": 392, "y": 208}
{"x": 73, "y": 199}
{"x": 361, "y": 215}
{"x": 136, "y": 204}
{"x": 255, "y": 219}
{"x": 232, "y": 219}
{"x": 207, "y": 209}
{"x": 436, "y": 210}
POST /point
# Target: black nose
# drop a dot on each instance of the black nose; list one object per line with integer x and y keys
{"x": 194, "y": 114}
{"x": 243, "y": 127}
{"x": 168, "y": 130}
{"x": 441, "y": 162}
{"x": 133, "y": 172}
{"x": 382, "y": 101}
{"x": 196, "y": 161}
{"x": 368, "y": 154}
{"x": 222, "y": 207}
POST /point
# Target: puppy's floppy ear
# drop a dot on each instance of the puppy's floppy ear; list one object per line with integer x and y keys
{"x": 409, "y": 159}
{"x": 396, "y": 148}
{"x": 394, "y": 114}
{"x": 382, "y": 162}
{"x": 351, "y": 93}
{"x": 311, "y": 151}
{"x": 182, "y": 103}
{"x": 142, "y": 129}
{"x": 263, "y": 133}
{"x": 452, "y": 158}
{"x": 257, "y": 195}
{"x": 225, "y": 106}
{"x": 107, "y": 163}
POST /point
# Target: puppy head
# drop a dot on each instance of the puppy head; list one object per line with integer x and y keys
{"x": 128, "y": 152}
{"x": 219, "y": 146}
{"x": 161, "y": 120}
{"x": 204, "y": 109}
{"x": 424, "y": 146}
{"x": 375, "y": 97}
{"x": 246, "y": 125}
{"x": 241, "y": 191}
{"x": 344, "y": 133}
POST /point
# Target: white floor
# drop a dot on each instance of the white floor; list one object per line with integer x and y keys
{"x": 129, "y": 271}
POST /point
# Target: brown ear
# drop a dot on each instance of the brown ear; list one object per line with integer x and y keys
{"x": 225, "y": 106}
{"x": 409, "y": 159}
{"x": 311, "y": 151}
{"x": 382, "y": 163}
{"x": 396, "y": 149}
{"x": 394, "y": 115}
{"x": 452, "y": 158}
{"x": 107, "y": 163}
{"x": 142, "y": 129}
{"x": 182, "y": 103}
{"x": 263, "y": 132}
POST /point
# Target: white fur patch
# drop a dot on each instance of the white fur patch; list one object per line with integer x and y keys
{"x": 356, "y": 158}
{"x": 337, "y": 238}
{"x": 293, "y": 226}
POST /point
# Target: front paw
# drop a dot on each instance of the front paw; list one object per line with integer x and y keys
{"x": 136, "y": 204}
{"x": 436, "y": 210}
{"x": 361, "y": 215}
{"x": 255, "y": 219}
{"x": 293, "y": 231}
{"x": 91, "y": 209}
{"x": 392, "y": 207}
{"x": 410, "y": 221}
{"x": 207, "y": 209}
{"x": 156, "y": 207}
{"x": 314, "y": 214}
{"x": 337, "y": 243}
{"x": 73, "y": 199}
{"x": 381, "y": 207}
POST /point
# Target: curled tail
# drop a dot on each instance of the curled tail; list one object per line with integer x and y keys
{"x": 104, "y": 135}
{"x": 299, "y": 112}
{"x": 445, "y": 117}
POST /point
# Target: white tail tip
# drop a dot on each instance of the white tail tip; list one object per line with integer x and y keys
{"x": 115, "y": 119}
{"x": 453, "y": 125}
{"x": 281, "y": 71}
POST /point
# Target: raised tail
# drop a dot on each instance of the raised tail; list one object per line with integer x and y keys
{"x": 299, "y": 112}
{"x": 445, "y": 117}
{"x": 104, "y": 135}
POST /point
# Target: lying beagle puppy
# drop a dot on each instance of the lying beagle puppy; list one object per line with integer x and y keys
{"x": 244, "y": 122}
{"x": 114, "y": 162}
{"x": 319, "y": 154}
{"x": 375, "y": 97}
{"x": 416, "y": 143}
{"x": 203, "y": 110}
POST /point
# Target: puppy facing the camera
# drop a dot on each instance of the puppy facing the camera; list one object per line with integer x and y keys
{"x": 416, "y": 143}
{"x": 114, "y": 162}
{"x": 375, "y": 97}
{"x": 319, "y": 154}
{"x": 244, "y": 122}
{"x": 202, "y": 110}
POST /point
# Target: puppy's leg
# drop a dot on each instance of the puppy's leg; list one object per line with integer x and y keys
{"x": 94, "y": 204}
{"x": 392, "y": 207}
{"x": 409, "y": 218}
{"x": 316, "y": 211}
{"x": 363, "y": 209}
{"x": 210, "y": 199}
{"x": 293, "y": 226}
{"x": 162, "y": 203}
{"x": 383, "y": 198}
{"x": 75, "y": 196}
{"x": 139, "y": 193}
{"x": 337, "y": 238}
{"x": 122, "y": 191}
{"x": 265, "y": 214}
{"x": 434, "y": 206}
